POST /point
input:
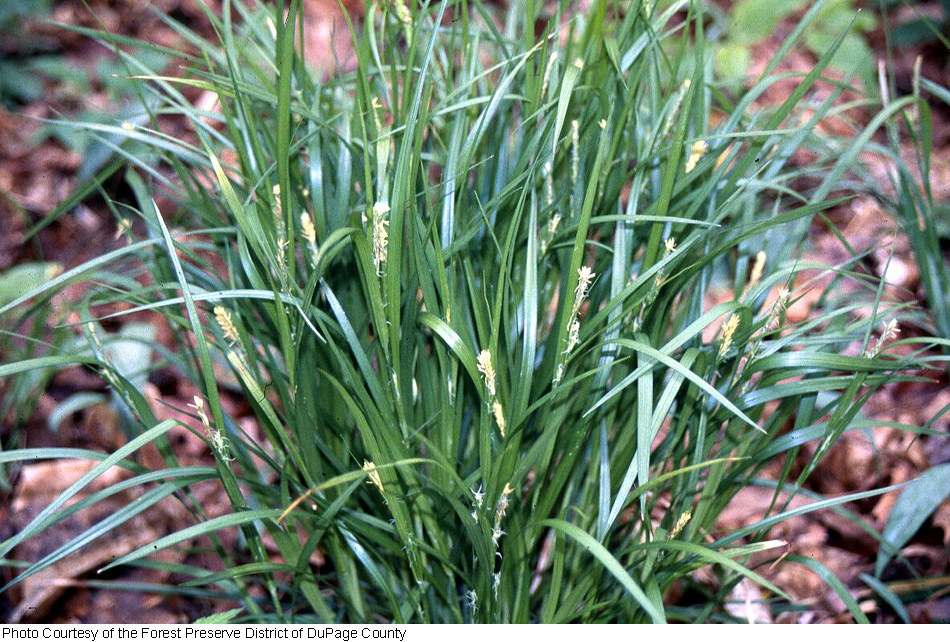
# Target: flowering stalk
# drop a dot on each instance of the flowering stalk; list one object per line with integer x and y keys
{"x": 669, "y": 247}
{"x": 477, "y": 501}
{"x": 219, "y": 442}
{"x": 890, "y": 331}
{"x": 772, "y": 322}
{"x": 380, "y": 235}
{"x": 675, "y": 109}
{"x": 584, "y": 277}
{"x": 108, "y": 368}
{"x": 550, "y": 230}
{"x": 279, "y": 218}
{"x": 487, "y": 369}
{"x": 500, "y": 509}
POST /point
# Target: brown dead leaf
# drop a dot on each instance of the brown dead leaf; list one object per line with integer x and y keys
{"x": 749, "y": 506}
{"x": 327, "y": 43}
{"x": 747, "y": 603}
{"x": 941, "y": 519}
{"x": 39, "y": 484}
{"x": 40, "y": 591}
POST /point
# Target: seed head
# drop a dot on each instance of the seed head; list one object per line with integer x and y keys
{"x": 199, "y": 407}
{"x": 309, "y": 231}
{"x": 488, "y": 371}
{"x": 220, "y": 444}
{"x": 277, "y": 205}
{"x": 380, "y": 234}
{"x": 675, "y": 108}
{"x": 681, "y": 524}
{"x": 370, "y": 469}
{"x": 223, "y": 317}
{"x": 403, "y": 13}
{"x": 121, "y": 228}
{"x": 496, "y": 534}
{"x": 757, "y": 269}
{"x": 696, "y": 153}
{"x": 584, "y": 277}
{"x": 499, "y": 417}
{"x": 218, "y": 441}
{"x": 890, "y": 331}
{"x": 501, "y": 509}
{"x": 728, "y": 330}
{"x": 502, "y": 506}
{"x": 777, "y": 309}
{"x": 669, "y": 245}
{"x": 573, "y": 335}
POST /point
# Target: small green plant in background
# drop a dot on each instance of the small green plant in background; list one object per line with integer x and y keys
{"x": 751, "y": 22}
{"x": 909, "y": 198}
{"x": 465, "y": 290}
{"x": 20, "y": 57}
{"x": 919, "y": 29}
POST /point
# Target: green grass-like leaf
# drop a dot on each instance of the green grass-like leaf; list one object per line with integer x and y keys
{"x": 464, "y": 291}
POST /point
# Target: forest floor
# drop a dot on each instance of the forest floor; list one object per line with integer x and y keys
{"x": 39, "y": 166}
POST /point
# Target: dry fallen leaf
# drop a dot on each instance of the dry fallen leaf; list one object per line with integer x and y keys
{"x": 39, "y": 485}
{"x": 941, "y": 519}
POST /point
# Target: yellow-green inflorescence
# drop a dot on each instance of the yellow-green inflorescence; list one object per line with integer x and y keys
{"x": 487, "y": 368}
{"x": 219, "y": 442}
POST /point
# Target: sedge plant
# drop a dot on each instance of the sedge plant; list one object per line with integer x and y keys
{"x": 465, "y": 290}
